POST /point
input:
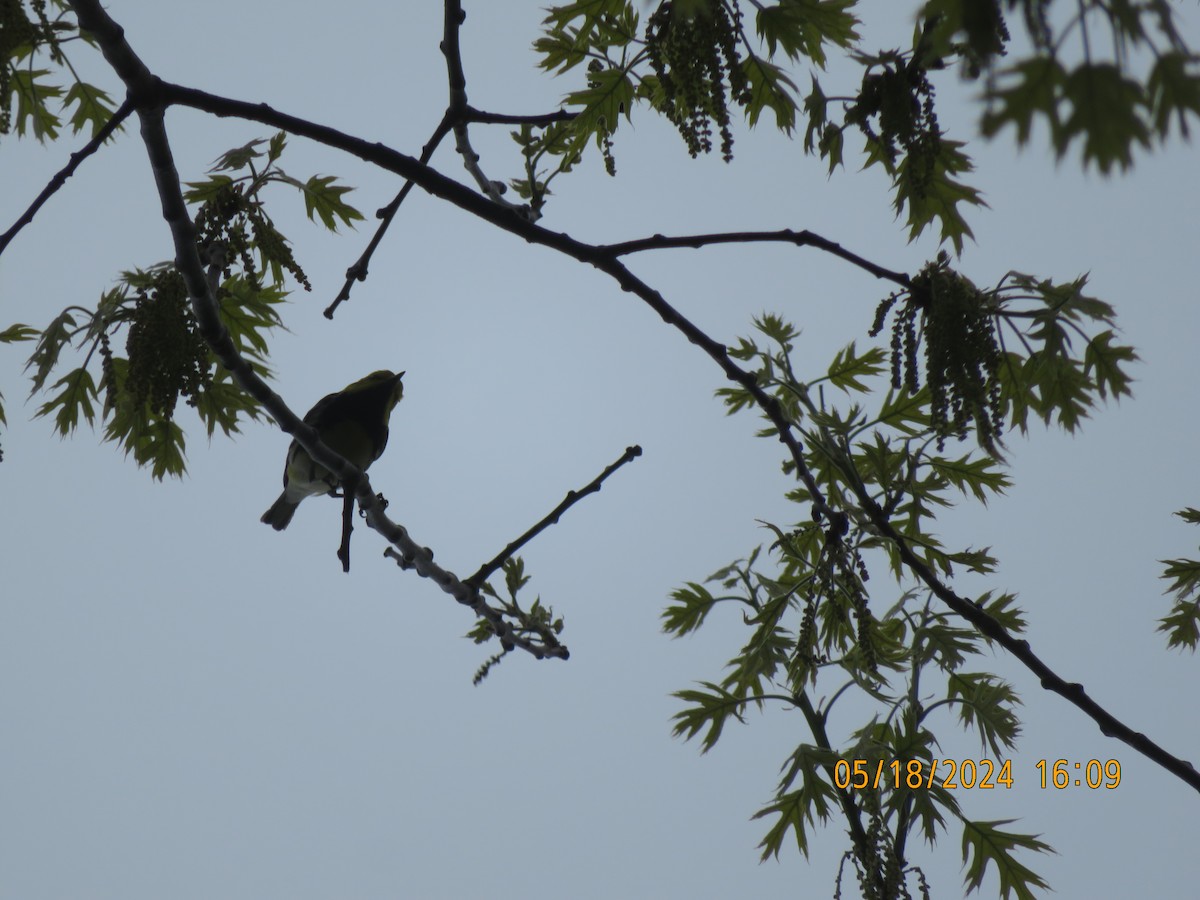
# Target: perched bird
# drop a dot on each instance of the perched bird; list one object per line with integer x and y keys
{"x": 352, "y": 422}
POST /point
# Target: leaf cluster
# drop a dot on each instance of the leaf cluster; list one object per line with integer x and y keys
{"x": 1182, "y": 624}
{"x": 694, "y": 62}
{"x": 1113, "y": 99}
{"x": 25, "y": 35}
{"x": 819, "y": 626}
{"x": 697, "y": 61}
{"x": 535, "y": 622}
{"x": 958, "y": 337}
{"x": 164, "y": 358}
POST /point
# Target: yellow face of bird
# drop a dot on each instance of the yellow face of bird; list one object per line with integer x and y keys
{"x": 377, "y": 378}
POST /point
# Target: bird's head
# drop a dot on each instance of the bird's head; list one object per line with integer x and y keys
{"x": 384, "y": 385}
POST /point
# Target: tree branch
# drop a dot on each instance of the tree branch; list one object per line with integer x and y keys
{"x": 799, "y": 238}
{"x": 551, "y": 518}
{"x": 456, "y": 117}
{"x": 850, "y": 809}
{"x": 471, "y": 114}
{"x": 447, "y": 189}
{"x": 1110, "y": 725}
{"x": 457, "y": 112}
{"x": 120, "y": 115}
{"x": 146, "y": 92}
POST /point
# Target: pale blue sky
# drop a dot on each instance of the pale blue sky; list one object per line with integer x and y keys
{"x": 194, "y": 706}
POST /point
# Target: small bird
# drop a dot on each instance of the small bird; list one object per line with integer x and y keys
{"x": 352, "y": 422}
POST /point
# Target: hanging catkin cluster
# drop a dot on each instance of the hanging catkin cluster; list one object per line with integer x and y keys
{"x": 895, "y": 111}
{"x": 694, "y": 57}
{"x": 237, "y": 221}
{"x": 167, "y": 355}
{"x": 962, "y": 355}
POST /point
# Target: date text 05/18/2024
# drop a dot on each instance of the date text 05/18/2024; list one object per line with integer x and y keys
{"x": 983, "y": 774}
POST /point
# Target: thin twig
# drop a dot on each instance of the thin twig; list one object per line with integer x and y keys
{"x": 457, "y": 112}
{"x": 456, "y": 117}
{"x": 358, "y": 271}
{"x": 471, "y": 114}
{"x": 799, "y": 238}
{"x": 122, "y": 112}
{"x": 485, "y": 572}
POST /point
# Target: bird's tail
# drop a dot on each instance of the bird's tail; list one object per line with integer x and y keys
{"x": 280, "y": 513}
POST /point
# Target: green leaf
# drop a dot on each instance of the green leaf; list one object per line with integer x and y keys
{"x": 222, "y": 404}
{"x": 907, "y": 413}
{"x": 1066, "y": 298}
{"x": 987, "y": 703}
{"x": 794, "y": 815}
{"x": 153, "y": 441}
{"x": 15, "y": 333}
{"x": 769, "y": 90}
{"x": 591, "y": 11}
{"x": 816, "y": 106}
{"x": 158, "y": 443}
{"x": 1004, "y": 610}
{"x": 847, "y": 368}
{"x": 777, "y": 329}
{"x": 202, "y": 191}
{"x": 1174, "y": 91}
{"x": 944, "y": 23}
{"x": 561, "y": 49}
{"x": 33, "y": 113}
{"x": 979, "y": 561}
{"x": 1182, "y": 625}
{"x": 238, "y": 157}
{"x": 879, "y": 462}
{"x": 936, "y": 195}
{"x": 78, "y": 392}
{"x": 323, "y": 197}
{"x": 275, "y": 149}
{"x": 1061, "y": 389}
{"x": 926, "y": 805}
{"x": 49, "y": 347}
{"x": 798, "y": 809}
{"x": 946, "y": 645}
{"x": 735, "y": 399}
{"x": 514, "y": 576}
{"x": 1106, "y": 110}
{"x": 1103, "y": 362}
{"x": 248, "y": 313}
{"x": 709, "y": 709}
{"x": 1015, "y": 395}
{"x": 984, "y": 843}
{"x": 803, "y": 27}
{"x": 691, "y": 606}
{"x": 767, "y": 651}
{"x": 92, "y": 105}
{"x": 566, "y": 42}
{"x": 979, "y": 476}
{"x": 608, "y": 96}
{"x": 831, "y": 146}
{"x": 1037, "y": 91}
